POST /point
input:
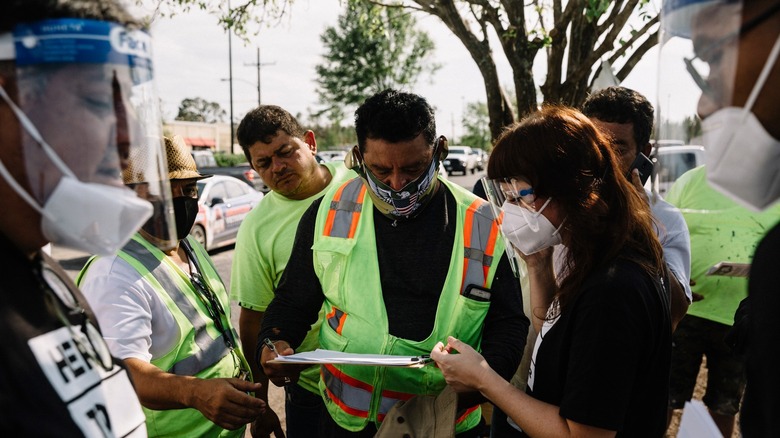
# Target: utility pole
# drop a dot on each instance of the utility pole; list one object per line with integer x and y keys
{"x": 258, "y": 64}
{"x": 230, "y": 77}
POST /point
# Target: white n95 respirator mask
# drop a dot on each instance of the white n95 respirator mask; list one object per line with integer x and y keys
{"x": 742, "y": 157}
{"x": 95, "y": 218}
{"x": 529, "y": 231}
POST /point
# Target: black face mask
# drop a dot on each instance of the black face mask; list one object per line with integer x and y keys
{"x": 185, "y": 209}
{"x": 156, "y": 228}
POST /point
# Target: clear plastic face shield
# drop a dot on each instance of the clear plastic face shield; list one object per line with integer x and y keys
{"x": 89, "y": 113}
{"x": 498, "y": 191}
{"x": 522, "y": 223}
{"x": 715, "y": 57}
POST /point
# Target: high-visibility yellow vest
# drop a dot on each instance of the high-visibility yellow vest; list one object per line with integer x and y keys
{"x": 200, "y": 350}
{"x": 345, "y": 261}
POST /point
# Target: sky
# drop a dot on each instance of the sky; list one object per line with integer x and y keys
{"x": 191, "y": 60}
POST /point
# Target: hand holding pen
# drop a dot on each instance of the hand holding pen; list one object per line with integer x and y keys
{"x": 280, "y": 375}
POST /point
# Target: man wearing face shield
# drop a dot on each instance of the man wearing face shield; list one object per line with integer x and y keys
{"x": 722, "y": 57}
{"x": 398, "y": 259}
{"x": 166, "y": 313}
{"x": 76, "y": 100}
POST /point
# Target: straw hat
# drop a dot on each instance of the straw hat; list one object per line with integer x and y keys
{"x": 181, "y": 165}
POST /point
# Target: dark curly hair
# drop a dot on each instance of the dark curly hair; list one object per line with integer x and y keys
{"x": 622, "y": 105}
{"x": 563, "y": 156}
{"x": 394, "y": 116}
{"x": 263, "y": 123}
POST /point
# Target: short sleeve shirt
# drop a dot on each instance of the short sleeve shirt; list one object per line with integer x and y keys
{"x": 605, "y": 359}
{"x": 720, "y": 230}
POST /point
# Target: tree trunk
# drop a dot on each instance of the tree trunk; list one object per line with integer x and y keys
{"x": 499, "y": 109}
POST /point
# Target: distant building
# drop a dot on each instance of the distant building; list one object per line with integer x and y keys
{"x": 199, "y": 135}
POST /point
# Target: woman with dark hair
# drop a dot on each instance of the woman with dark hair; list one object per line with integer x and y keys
{"x": 601, "y": 362}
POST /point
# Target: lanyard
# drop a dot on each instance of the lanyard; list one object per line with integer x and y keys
{"x": 207, "y": 296}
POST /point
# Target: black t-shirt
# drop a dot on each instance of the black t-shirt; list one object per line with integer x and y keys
{"x": 605, "y": 361}
{"x": 760, "y": 415}
{"x": 31, "y": 400}
{"x": 29, "y": 405}
{"x": 414, "y": 260}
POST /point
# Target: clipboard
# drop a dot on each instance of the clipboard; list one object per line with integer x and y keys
{"x": 320, "y": 356}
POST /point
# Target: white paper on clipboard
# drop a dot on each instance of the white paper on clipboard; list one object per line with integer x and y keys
{"x": 320, "y": 356}
{"x": 696, "y": 422}
{"x": 730, "y": 269}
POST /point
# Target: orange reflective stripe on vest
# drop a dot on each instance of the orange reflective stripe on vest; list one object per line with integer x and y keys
{"x": 479, "y": 231}
{"x": 479, "y": 238}
{"x": 345, "y": 210}
{"x": 336, "y": 319}
{"x": 354, "y": 396}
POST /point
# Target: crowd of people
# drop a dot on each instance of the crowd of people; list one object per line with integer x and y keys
{"x": 565, "y": 293}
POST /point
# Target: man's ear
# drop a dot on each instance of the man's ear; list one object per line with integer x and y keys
{"x": 647, "y": 149}
{"x": 442, "y": 148}
{"x": 308, "y": 138}
{"x": 353, "y": 160}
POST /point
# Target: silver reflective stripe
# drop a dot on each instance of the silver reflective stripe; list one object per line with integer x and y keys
{"x": 335, "y": 320}
{"x": 386, "y": 403}
{"x": 345, "y": 207}
{"x": 211, "y": 350}
{"x": 355, "y": 398}
{"x": 476, "y": 260}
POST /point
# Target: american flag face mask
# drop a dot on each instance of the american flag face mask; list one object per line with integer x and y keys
{"x": 405, "y": 202}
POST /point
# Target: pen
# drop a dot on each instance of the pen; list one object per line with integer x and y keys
{"x": 270, "y": 346}
{"x": 423, "y": 359}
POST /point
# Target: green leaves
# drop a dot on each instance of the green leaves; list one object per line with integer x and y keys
{"x": 595, "y": 9}
{"x": 197, "y": 109}
{"x": 370, "y": 49}
{"x": 476, "y": 131}
{"x": 244, "y": 17}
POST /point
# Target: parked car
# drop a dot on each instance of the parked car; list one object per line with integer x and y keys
{"x": 460, "y": 159}
{"x": 223, "y": 202}
{"x": 481, "y": 158}
{"x": 332, "y": 155}
{"x": 207, "y": 165}
{"x": 672, "y": 161}
{"x": 443, "y": 172}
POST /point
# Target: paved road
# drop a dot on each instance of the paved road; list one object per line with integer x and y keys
{"x": 73, "y": 261}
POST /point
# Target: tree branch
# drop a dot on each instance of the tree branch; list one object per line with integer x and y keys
{"x": 607, "y": 44}
{"x": 634, "y": 38}
{"x": 649, "y": 43}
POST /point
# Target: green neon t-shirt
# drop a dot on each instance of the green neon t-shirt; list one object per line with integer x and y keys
{"x": 720, "y": 230}
{"x": 263, "y": 247}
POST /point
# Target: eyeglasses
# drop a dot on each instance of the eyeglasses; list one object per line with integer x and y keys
{"x": 712, "y": 54}
{"x": 516, "y": 191}
{"x": 88, "y": 340}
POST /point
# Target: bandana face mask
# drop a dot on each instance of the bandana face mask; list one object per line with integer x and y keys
{"x": 403, "y": 203}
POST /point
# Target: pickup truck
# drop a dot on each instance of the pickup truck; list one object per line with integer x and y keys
{"x": 207, "y": 165}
